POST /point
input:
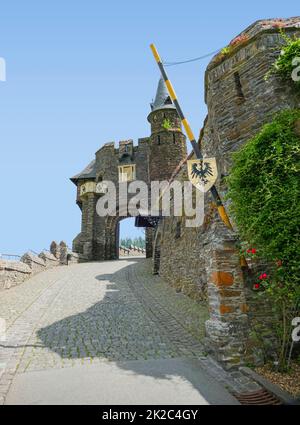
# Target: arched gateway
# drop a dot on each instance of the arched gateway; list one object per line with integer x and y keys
{"x": 154, "y": 158}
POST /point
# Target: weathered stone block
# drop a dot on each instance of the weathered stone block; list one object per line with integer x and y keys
{"x": 36, "y": 263}
{"x": 226, "y": 309}
{"x": 220, "y": 278}
{"x": 63, "y": 253}
{"x": 54, "y": 249}
{"x": 49, "y": 259}
{"x": 13, "y": 273}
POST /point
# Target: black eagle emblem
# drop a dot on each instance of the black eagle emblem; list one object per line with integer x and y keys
{"x": 202, "y": 170}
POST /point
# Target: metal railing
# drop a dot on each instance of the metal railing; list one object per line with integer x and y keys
{"x": 34, "y": 252}
{"x": 10, "y": 256}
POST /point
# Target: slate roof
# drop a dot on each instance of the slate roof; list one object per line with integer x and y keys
{"x": 89, "y": 172}
{"x": 162, "y": 98}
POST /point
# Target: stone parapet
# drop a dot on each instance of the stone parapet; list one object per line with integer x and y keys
{"x": 72, "y": 257}
{"x": 55, "y": 249}
{"x": 63, "y": 253}
{"x": 36, "y": 263}
{"x": 13, "y": 273}
{"x": 49, "y": 259}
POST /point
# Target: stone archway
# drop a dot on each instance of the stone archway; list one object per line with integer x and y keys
{"x": 112, "y": 237}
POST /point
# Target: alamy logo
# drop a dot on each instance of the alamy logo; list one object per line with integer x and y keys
{"x": 296, "y": 331}
{"x": 296, "y": 70}
{"x": 2, "y": 69}
{"x": 164, "y": 199}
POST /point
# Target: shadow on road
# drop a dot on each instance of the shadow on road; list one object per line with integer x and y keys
{"x": 120, "y": 329}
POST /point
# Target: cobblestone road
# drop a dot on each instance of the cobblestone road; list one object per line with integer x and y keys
{"x": 93, "y": 312}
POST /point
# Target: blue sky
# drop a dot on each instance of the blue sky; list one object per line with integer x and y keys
{"x": 80, "y": 74}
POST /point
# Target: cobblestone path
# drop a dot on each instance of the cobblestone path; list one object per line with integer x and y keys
{"x": 88, "y": 313}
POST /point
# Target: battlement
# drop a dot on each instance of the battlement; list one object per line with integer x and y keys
{"x": 123, "y": 146}
{"x": 247, "y": 44}
{"x": 238, "y": 96}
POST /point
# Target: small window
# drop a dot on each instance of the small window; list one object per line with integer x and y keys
{"x": 238, "y": 86}
{"x": 126, "y": 173}
{"x": 178, "y": 230}
{"x": 168, "y": 101}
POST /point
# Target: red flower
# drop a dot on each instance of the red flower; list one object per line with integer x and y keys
{"x": 253, "y": 251}
{"x": 239, "y": 39}
{"x": 248, "y": 251}
{"x": 264, "y": 276}
{"x": 257, "y": 285}
{"x": 260, "y": 277}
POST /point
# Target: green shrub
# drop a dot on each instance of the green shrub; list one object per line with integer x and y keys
{"x": 284, "y": 66}
{"x": 264, "y": 188}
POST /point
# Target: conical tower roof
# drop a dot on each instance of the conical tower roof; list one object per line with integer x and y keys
{"x": 162, "y": 98}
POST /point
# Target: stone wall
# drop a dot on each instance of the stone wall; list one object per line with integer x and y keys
{"x": 132, "y": 251}
{"x": 48, "y": 259}
{"x": 149, "y": 237}
{"x": 180, "y": 257}
{"x": 13, "y": 273}
{"x": 180, "y": 261}
{"x": 35, "y": 263}
{"x": 238, "y": 97}
{"x": 63, "y": 259}
{"x": 55, "y": 249}
{"x": 73, "y": 257}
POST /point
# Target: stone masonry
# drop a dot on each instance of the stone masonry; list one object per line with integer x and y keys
{"x": 13, "y": 273}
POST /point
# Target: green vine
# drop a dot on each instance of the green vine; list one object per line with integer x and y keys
{"x": 264, "y": 187}
{"x": 287, "y": 65}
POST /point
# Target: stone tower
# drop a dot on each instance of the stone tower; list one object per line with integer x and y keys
{"x": 154, "y": 158}
{"x": 167, "y": 145}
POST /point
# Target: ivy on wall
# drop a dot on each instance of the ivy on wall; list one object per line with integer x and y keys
{"x": 264, "y": 188}
{"x": 287, "y": 63}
